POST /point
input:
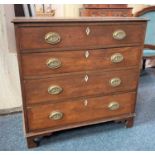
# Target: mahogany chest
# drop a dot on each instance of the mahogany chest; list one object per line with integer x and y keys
{"x": 77, "y": 72}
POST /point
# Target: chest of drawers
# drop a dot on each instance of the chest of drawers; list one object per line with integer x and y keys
{"x": 77, "y": 72}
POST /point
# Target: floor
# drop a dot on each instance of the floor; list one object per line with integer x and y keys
{"x": 105, "y": 136}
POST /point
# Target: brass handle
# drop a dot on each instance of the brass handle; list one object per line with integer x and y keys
{"x": 114, "y": 82}
{"x": 56, "y": 115}
{"x": 52, "y": 38}
{"x": 117, "y": 57}
{"x": 55, "y": 90}
{"x": 53, "y": 63}
{"x": 119, "y": 34}
{"x": 113, "y": 106}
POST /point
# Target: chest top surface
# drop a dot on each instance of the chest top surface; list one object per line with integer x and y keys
{"x": 74, "y": 20}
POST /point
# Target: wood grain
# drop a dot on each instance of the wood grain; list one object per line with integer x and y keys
{"x": 75, "y": 36}
{"x": 74, "y": 85}
{"x": 77, "y": 112}
{"x": 74, "y": 61}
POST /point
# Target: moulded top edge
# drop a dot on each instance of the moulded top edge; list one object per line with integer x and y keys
{"x": 79, "y": 19}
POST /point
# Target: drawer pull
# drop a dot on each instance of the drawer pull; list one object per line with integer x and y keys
{"x": 87, "y": 31}
{"x": 86, "y": 78}
{"x": 114, "y": 82}
{"x": 56, "y": 115}
{"x": 119, "y": 34}
{"x": 55, "y": 90}
{"x": 52, "y": 38}
{"x": 53, "y": 63}
{"x": 85, "y": 102}
{"x": 113, "y": 106}
{"x": 117, "y": 57}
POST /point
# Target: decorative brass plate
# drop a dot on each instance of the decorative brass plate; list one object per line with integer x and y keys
{"x": 117, "y": 57}
{"x": 52, "y": 38}
{"x": 56, "y": 115}
{"x": 114, "y": 82}
{"x": 113, "y": 106}
{"x": 53, "y": 63}
{"x": 54, "y": 90}
{"x": 119, "y": 34}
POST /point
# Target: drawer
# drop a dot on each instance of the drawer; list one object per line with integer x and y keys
{"x": 43, "y": 64}
{"x": 84, "y": 36}
{"x": 69, "y": 113}
{"x": 59, "y": 87}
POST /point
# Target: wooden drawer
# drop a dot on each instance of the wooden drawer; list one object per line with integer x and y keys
{"x": 84, "y": 36}
{"x": 78, "y": 111}
{"x": 125, "y": 12}
{"x": 77, "y": 85}
{"x": 40, "y": 64}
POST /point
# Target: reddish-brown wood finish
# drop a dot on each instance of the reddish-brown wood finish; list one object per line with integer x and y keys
{"x": 97, "y": 6}
{"x": 119, "y": 12}
{"x": 74, "y": 85}
{"x": 100, "y": 36}
{"x": 76, "y": 111}
{"x": 36, "y": 77}
{"x": 74, "y": 61}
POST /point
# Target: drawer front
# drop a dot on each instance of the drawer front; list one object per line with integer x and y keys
{"x": 106, "y": 12}
{"x": 80, "y": 37}
{"x": 78, "y": 111}
{"x": 40, "y": 64}
{"x": 76, "y": 85}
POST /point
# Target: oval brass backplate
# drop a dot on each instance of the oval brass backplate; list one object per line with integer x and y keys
{"x": 53, "y": 63}
{"x": 119, "y": 34}
{"x": 113, "y": 106}
{"x": 54, "y": 90}
{"x": 114, "y": 82}
{"x": 52, "y": 38}
{"x": 117, "y": 57}
{"x": 56, "y": 115}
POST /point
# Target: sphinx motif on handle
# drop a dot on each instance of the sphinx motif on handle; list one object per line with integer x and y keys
{"x": 52, "y": 38}
{"x": 119, "y": 34}
{"x": 54, "y": 90}
{"x": 53, "y": 63}
{"x": 114, "y": 82}
{"x": 113, "y": 106}
{"x": 56, "y": 115}
{"x": 117, "y": 57}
